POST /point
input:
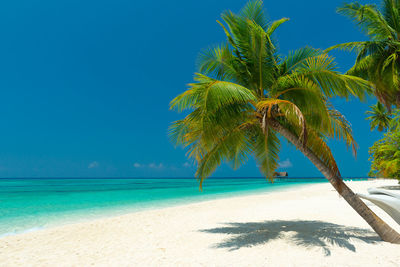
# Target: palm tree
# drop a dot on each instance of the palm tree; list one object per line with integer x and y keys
{"x": 379, "y": 118}
{"x": 378, "y": 59}
{"x": 246, "y": 95}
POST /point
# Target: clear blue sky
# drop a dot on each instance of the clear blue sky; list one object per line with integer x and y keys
{"x": 85, "y": 85}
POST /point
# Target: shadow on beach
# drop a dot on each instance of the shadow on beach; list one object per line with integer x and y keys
{"x": 302, "y": 233}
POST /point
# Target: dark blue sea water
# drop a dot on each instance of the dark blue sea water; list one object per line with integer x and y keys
{"x": 34, "y": 203}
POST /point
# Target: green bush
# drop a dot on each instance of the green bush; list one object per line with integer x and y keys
{"x": 385, "y": 153}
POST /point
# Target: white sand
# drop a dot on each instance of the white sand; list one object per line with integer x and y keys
{"x": 305, "y": 226}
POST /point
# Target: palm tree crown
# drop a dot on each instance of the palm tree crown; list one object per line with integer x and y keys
{"x": 379, "y": 118}
{"x": 244, "y": 88}
{"x": 378, "y": 58}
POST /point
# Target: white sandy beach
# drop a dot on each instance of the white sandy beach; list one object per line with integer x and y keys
{"x": 306, "y": 226}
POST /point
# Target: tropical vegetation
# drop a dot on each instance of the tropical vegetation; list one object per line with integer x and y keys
{"x": 385, "y": 153}
{"x": 378, "y": 59}
{"x": 379, "y": 117}
{"x": 246, "y": 96}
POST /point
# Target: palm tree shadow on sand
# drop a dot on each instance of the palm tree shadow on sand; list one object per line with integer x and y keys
{"x": 302, "y": 233}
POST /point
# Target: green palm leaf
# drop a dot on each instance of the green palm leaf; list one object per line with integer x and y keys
{"x": 377, "y": 58}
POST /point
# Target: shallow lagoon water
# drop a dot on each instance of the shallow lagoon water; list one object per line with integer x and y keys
{"x": 33, "y": 203}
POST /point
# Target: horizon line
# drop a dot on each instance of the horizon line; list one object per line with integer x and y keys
{"x": 189, "y": 177}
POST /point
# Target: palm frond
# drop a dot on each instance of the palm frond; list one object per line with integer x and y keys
{"x": 274, "y": 25}
{"x": 361, "y": 68}
{"x": 254, "y": 11}
{"x": 379, "y": 118}
{"x": 266, "y": 146}
{"x": 339, "y": 127}
{"x": 297, "y": 57}
{"x": 232, "y": 147}
{"x": 391, "y": 9}
{"x": 210, "y": 94}
{"x": 322, "y": 70}
{"x": 319, "y": 147}
{"x": 218, "y": 62}
{"x": 369, "y": 19}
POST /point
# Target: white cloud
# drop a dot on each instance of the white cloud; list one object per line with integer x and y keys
{"x": 156, "y": 166}
{"x": 285, "y": 164}
{"x": 93, "y": 164}
{"x": 137, "y": 165}
{"x": 187, "y": 165}
{"x": 151, "y": 165}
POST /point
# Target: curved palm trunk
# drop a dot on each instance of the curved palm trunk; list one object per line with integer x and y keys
{"x": 385, "y": 232}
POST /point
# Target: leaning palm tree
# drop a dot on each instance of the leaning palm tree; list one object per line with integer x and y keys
{"x": 245, "y": 96}
{"x": 379, "y": 118}
{"x": 378, "y": 59}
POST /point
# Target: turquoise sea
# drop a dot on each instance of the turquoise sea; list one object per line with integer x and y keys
{"x": 33, "y": 203}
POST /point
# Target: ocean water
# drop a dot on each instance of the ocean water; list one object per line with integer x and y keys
{"x": 34, "y": 203}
